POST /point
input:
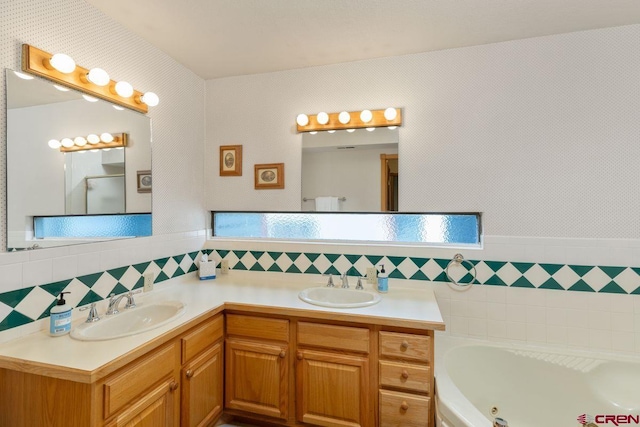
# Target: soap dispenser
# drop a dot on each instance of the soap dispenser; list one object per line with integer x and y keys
{"x": 383, "y": 280}
{"x": 60, "y": 319}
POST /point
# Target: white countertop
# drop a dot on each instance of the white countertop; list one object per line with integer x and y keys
{"x": 38, "y": 352}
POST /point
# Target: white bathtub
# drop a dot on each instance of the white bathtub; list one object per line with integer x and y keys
{"x": 532, "y": 386}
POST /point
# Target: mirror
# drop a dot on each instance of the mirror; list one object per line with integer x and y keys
{"x": 42, "y": 181}
{"x": 345, "y": 171}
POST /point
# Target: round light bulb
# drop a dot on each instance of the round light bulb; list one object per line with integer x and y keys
{"x": 106, "y": 137}
{"x": 23, "y": 76}
{"x": 117, "y": 107}
{"x": 62, "y": 88}
{"x": 332, "y": 131}
{"x": 390, "y": 113}
{"x": 344, "y": 117}
{"x": 93, "y": 138}
{"x": 80, "y": 141}
{"x": 90, "y": 98}
{"x": 313, "y": 132}
{"x": 151, "y": 99}
{"x": 98, "y": 76}
{"x": 106, "y": 149}
{"x": 323, "y": 118}
{"x": 54, "y": 143}
{"x": 95, "y": 150}
{"x": 392, "y": 127}
{"x": 302, "y": 120}
{"x": 371, "y": 129}
{"x": 67, "y": 142}
{"x": 351, "y": 130}
{"x": 124, "y": 89}
{"x": 366, "y": 116}
{"x": 63, "y": 63}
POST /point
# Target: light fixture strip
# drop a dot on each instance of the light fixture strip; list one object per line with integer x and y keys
{"x": 378, "y": 120}
{"x": 119, "y": 140}
{"x": 33, "y": 60}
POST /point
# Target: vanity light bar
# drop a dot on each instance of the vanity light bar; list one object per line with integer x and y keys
{"x": 338, "y": 121}
{"x": 38, "y": 62}
{"x": 119, "y": 140}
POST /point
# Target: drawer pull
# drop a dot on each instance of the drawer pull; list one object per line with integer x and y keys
{"x": 299, "y": 356}
{"x": 405, "y": 374}
{"x": 173, "y": 386}
{"x": 283, "y": 354}
{"x": 404, "y": 406}
{"x": 405, "y": 344}
{"x": 189, "y": 373}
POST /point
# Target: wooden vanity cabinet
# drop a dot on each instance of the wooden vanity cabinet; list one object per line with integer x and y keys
{"x": 257, "y": 365}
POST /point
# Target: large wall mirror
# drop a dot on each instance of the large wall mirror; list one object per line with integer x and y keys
{"x": 350, "y": 171}
{"x": 44, "y": 181}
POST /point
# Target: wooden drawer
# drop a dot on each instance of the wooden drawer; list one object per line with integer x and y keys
{"x": 202, "y": 337}
{"x": 122, "y": 388}
{"x": 405, "y": 346}
{"x": 405, "y": 376}
{"x": 333, "y": 337}
{"x": 258, "y": 327}
{"x": 401, "y": 409}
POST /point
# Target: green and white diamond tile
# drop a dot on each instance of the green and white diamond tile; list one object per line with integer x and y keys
{"x": 130, "y": 277}
{"x": 536, "y": 275}
{"x": 5, "y": 310}
{"x": 301, "y": 263}
{"x": 627, "y": 279}
{"x": 35, "y": 303}
{"x": 105, "y": 285}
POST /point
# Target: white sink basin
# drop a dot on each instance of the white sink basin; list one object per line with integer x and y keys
{"x": 339, "y": 297}
{"x": 133, "y": 321}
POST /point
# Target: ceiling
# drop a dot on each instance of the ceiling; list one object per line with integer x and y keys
{"x": 220, "y": 38}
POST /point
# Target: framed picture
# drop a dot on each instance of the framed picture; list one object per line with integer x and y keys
{"x": 231, "y": 160}
{"x": 269, "y": 176}
{"x": 144, "y": 181}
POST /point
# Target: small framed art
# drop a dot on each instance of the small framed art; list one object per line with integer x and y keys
{"x": 231, "y": 160}
{"x": 269, "y": 176}
{"x": 144, "y": 181}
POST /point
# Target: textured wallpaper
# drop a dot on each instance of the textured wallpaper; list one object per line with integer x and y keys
{"x": 92, "y": 39}
{"x": 541, "y": 135}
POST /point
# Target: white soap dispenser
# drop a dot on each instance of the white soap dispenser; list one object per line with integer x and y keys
{"x": 60, "y": 319}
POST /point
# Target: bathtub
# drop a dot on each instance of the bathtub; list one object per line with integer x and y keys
{"x": 477, "y": 381}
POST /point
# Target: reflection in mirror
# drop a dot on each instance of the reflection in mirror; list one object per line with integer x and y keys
{"x": 344, "y": 171}
{"x": 43, "y": 181}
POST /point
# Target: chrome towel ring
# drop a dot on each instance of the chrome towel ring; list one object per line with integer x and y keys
{"x": 458, "y": 259}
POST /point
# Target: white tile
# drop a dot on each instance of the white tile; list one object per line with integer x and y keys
{"x": 496, "y": 311}
{"x": 596, "y": 278}
{"x": 578, "y": 337}
{"x": 11, "y": 275}
{"x": 459, "y": 325}
{"x": 459, "y": 308}
{"x": 516, "y": 296}
{"x": 496, "y": 294}
{"x": 556, "y": 334}
{"x": 577, "y": 318}
{"x": 621, "y": 303}
{"x": 622, "y": 322}
{"x": 34, "y": 304}
{"x": 4, "y": 311}
{"x": 496, "y": 329}
{"x": 509, "y": 274}
{"x": 104, "y": 285}
{"x": 88, "y": 263}
{"x": 14, "y": 257}
{"x": 577, "y": 300}
{"x": 109, "y": 259}
{"x": 599, "y": 320}
{"x": 623, "y": 341}
{"x": 478, "y": 293}
{"x": 566, "y": 277}
{"x": 64, "y": 268}
{"x": 537, "y": 297}
{"x": 478, "y": 328}
{"x": 600, "y": 340}
{"x": 637, "y": 341}
{"x": 636, "y": 303}
{"x": 516, "y": 313}
{"x": 556, "y": 316}
{"x": 536, "y": 315}
{"x": 444, "y": 305}
{"x": 36, "y": 273}
{"x": 558, "y": 299}
{"x": 477, "y": 309}
{"x": 628, "y": 280}
{"x": 517, "y": 331}
{"x": 536, "y": 333}
{"x": 599, "y": 302}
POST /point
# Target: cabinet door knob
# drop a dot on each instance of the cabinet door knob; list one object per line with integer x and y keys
{"x": 283, "y": 354}
{"x": 189, "y": 373}
{"x": 173, "y": 386}
{"x": 299, "y": 355}
{"x": 405, "y": 344}
{"x": 404, "y": 406}
{"x": 405, "y": 374}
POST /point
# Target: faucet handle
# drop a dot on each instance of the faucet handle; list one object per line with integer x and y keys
{"x": 93, "y": 313}
{"x": 330, "y": 281}
{"x": 359, "y": 284}
{"x": 345, "y": 280}
{"x": 131, "y": 303}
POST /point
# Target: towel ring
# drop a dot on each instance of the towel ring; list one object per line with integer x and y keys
{"x": 459, "y": 259}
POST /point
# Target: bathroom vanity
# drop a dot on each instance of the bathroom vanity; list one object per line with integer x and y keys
{"x": 254, "y": 352}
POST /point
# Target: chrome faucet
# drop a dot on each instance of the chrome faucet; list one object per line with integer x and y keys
{"x": 93, "y": 313}
{"x": 330, "y": 281}
{"x": 345, "y": 280}
{"x": 500, "y": 422}
{"x": 114, "y": 301}
{"x": 359, "y": 286}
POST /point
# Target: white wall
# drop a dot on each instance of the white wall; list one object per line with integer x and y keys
{"x": 92, "y": 39}
{"x": 541, "y": 135}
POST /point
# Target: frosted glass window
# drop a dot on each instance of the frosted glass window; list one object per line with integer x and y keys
{"x": 440, "y": 228}
{"x": 126, "y": 225}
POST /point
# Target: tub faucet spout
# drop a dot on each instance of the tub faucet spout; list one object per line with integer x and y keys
{"x": 500, "y": 422}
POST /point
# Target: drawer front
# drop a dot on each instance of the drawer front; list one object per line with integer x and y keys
{"x": 333, "y": 337}
{"x": 258, "y": 327}
{"x": 405, "y": 376}
{"x": 202, "y": 337}
{"x": 125, "y": 386}
{"x": 405, "y": 346}
{"x": 401, "y": 409}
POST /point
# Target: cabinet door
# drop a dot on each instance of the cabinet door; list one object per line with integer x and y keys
{"x": 257, "y": 377}
{"x": 202, "y": 388}
{"x": 154, "y": 409}
{"x": 332, "y": 389}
